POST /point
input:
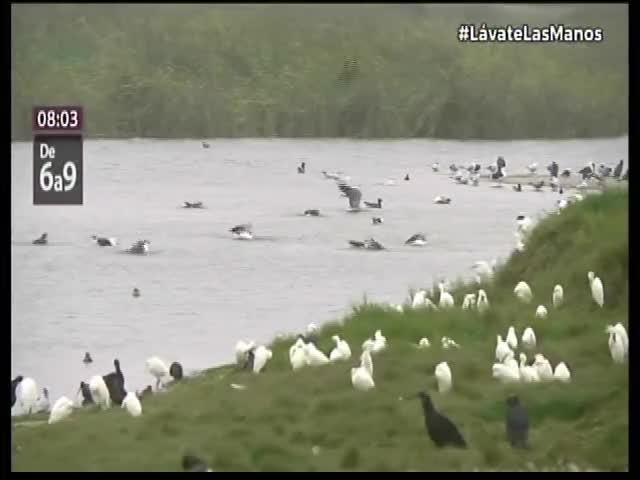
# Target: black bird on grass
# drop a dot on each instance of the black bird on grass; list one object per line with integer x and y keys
{"x": 618, "y": 171}
{"x": 312, "y": 212}
{"x": 14, "y": 384}
{"x": 87, "y": 399}
{"x": 440, "y": 429}
{"x": 406, "y": 177}
{"x": 191, "y": 463}
{"x": 302, "y": 168}
{"x": 175, "y": 370}
{"x": 517, "y": 423}
{"x": 517, "y": 187}
{"x": 115, "y": 384}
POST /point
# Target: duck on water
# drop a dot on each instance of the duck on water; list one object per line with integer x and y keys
{"x": 192, "y": 205}
{"x": 242, "y": 232}
{"x": 42, "y": 240}
{"x": 104, "y": 241}
{"x": 141, "y": 247}
{"x": 369, "y": 244}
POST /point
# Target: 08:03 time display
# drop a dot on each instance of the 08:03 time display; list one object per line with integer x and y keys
{"x": 55, "y": 119}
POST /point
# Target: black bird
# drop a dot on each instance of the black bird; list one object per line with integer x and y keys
{"x": 251, "y": 356}
{"x": 87, "y": 399}
{"x": 309, "y": 338}
{"x": 148, "y": 390}
{"x": 377, "y": 220}
{"x": 406, "y": 177}
{"x": 104, "y": 241}
{"x": 175, "y": 370}
{"x": 553, "y": 169}
{"x": 517, "y": 187}
{"x": 87, "y": 358}
{"x": 302, "y": 167}
{"x": 497, "y": 175}
{"x": 586, "y": 172}
{"x": 42, "y": 240}
{"x": 136, "y": 292}
{"x": 517, "y": 423}
{"x": 561, "y": 191}
{"x": 191, "y": 463}
{"x": 501, "y": 163}
{"x": 115, "y": 384}
{"x": 377, "y": 204}
{"x": 453, "y": 168}
{"x": 312, "y": 213}
{"x": 440, "y": 429}
{"x": 618, "y": 171}
{"x": 192, "y": 205}
{"x": 140, "y": 247}
{"x": 14, "y": 384}
{"x": 566, "y": 173}
{"x": 205, "y": 145}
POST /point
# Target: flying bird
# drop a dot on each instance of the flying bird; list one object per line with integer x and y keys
{"x": 352, "y": 193}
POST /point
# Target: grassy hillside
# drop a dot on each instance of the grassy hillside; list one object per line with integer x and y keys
{"x": 282, "y": 415}
{"x": 368, "y": 71}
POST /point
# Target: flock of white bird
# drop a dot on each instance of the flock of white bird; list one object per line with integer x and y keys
{"x": 30, "y": 402}
{"x": 506, "y": 369}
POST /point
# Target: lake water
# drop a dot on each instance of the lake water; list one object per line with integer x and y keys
{"x": 201, "y": 290}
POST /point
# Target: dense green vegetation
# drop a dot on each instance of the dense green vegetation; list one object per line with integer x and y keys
{"x": 282, "y": 415}
{"x": 318, "y": 71}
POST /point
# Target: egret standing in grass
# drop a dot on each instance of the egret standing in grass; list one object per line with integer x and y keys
{"x": 446, "y": 299}
{"x": 132, "y": 404}
{"x": 156, "y": 367}
{"x": 523, "y": 292}
{"x": 597, "y": 289}
{"x": 558, "y": 296}
{"x": 28, "y": 395}
{"x": 562, "y": 373}
{"x": 616, "y": 346}
{"x": 528, "y": 338}
{"x": 261, "y": 356}
{"x": 61, "y": 410}
{"x": 541, "y": 311}
{"x": 99, "y": 392}
{"x": 483, "y": 302}
{"x": 443, "y": 377}
{"x": 512, "y": 338}
{"x": 342, "y": 351}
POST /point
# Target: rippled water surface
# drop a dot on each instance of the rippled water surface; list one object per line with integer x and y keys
{"x": 201, "y": 290}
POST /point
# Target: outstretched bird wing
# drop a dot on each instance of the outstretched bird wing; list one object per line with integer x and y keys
{"x": 352, "y": 193}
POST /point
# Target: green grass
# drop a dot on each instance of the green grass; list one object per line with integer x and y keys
{"x": 274, "y": 424}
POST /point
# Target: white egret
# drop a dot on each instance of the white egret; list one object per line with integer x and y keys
{"x": 523, "y": 292}
{"x": 558, "y": 296}
{"x": 132, "y": 404}
{"x": 597, "y": 289}
{"x": 261, "y": 356}
{"x": 512, "y": 338}
{"x": 158, "y": 369}
{"x": 483, "y": 302}
{"x": 61, "y": 410}
{"x": 541, "y": 311}
{"x": 528, "y": 338}
{"x": 443, "y": 377}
